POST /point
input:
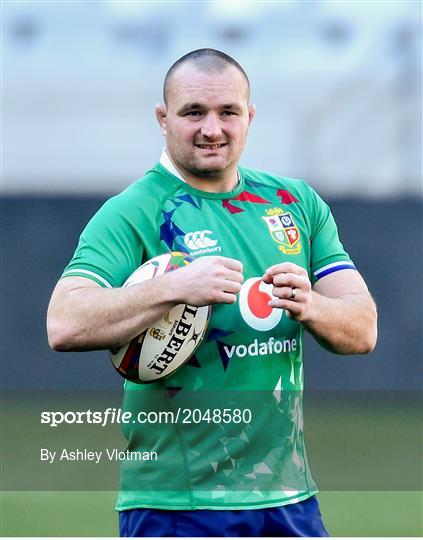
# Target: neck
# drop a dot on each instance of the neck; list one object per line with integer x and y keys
{"x": 212, "y": 183}
{"x": 221, "y": 184}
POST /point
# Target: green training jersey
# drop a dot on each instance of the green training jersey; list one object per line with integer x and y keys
{"x": 226, "y": 428}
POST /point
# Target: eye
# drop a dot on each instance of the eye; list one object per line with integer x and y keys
{"x": 229, "y": 113}
{"x": 192, "y": 113}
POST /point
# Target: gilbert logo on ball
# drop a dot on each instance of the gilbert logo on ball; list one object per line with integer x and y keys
{"x": 171, "y": 341}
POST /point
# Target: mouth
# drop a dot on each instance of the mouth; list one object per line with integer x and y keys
{"x": 211, "y": 146}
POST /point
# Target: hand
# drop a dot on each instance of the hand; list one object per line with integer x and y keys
{"x": 208, "y": 280}
{"x": 292, "y": 289}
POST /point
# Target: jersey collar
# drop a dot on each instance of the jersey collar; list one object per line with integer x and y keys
{"x": 168, "y": 164}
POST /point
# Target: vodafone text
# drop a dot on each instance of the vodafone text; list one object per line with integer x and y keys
{"x": 261, "y": 348}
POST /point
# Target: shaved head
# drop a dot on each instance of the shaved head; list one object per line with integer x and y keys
{"x": 207, "y": 61}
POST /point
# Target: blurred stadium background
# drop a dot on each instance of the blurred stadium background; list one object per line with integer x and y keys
{"x": 337, "y": 87}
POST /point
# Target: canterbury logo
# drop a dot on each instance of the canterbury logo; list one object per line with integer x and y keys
{"x": 199, "y": 239}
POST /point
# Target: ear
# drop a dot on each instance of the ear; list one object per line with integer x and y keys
{"x": 161, "y": 115}
{"x": 251, "y": 113}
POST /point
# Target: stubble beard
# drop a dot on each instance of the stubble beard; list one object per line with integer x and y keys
{"x": 207, "y": 173}
{"x": 195, "y": 170}
{"x": 192, "y": 166}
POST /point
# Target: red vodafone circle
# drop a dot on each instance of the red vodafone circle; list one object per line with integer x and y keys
{"x": 254, "y": 300}
{"x": 258, "y": 301}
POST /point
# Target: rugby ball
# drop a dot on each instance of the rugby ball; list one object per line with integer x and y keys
{"x": 168, "y": 343}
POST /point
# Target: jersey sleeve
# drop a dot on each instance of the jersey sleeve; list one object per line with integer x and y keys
{"x": 110, "y": 248}
{"x": 327, "y": 252}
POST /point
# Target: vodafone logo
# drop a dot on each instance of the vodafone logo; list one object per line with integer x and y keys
{"x": 199, "y": 240}
{"x": 253, "y": 303}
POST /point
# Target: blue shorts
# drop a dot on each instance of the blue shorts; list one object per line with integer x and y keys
{"x": 299, "y": 519}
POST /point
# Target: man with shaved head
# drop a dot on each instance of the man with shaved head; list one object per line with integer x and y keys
{"x": 267, "y": 258}
{"x": 207, "y": 61}
{"x": 207, "y": 158}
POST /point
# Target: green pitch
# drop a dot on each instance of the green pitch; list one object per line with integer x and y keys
{"x": 91, "y": 513}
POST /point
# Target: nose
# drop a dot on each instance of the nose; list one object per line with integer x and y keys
{"x": 211, "y": 126}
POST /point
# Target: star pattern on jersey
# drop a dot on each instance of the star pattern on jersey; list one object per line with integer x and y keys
{"x": 295, "y": 414}
{"x": 223, "y": 355}
{"x": 193, "y": 361}
{"x": 173, "y": 390}
{"x": 261, "y": 470}
{"x": 194, "y": 201}
{"x": 286, "y": 196}
{"x": 245, "y": 196}
{"x": 169, "y": 231}
{"x": 215, "y": 334}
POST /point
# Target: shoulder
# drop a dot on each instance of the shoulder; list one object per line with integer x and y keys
{"x": 152, "y": 185}
{"x": 143, "y": 195}
{"x": 295, "y": 186}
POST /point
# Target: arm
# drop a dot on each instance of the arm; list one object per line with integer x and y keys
{"x": 84, "y": 316}
{"x": 339, "y": 311}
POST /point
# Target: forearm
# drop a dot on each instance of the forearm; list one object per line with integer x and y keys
{"x": 344, "y": 324}
{"x": 88, "y": 318}
{"x": 85, "y": 316}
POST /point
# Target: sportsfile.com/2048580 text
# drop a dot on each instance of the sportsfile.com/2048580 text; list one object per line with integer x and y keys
{"x": 180, "y": 415}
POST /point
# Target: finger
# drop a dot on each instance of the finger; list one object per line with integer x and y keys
{"x": 219, "y": 266}
{"x": 267, "y": 278}
{"x": 232, "y": 264}
{"x": 285, "y": 268}
{"x": 233, "y": 287}
{"x": 286, "y": 293}
{"x": 216, "y": 260}
{"x": 231, "y": 275}
{"x": 291, "y": 306}
{"x": 291, "y": 280}
{"x": 226, "y": 298}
